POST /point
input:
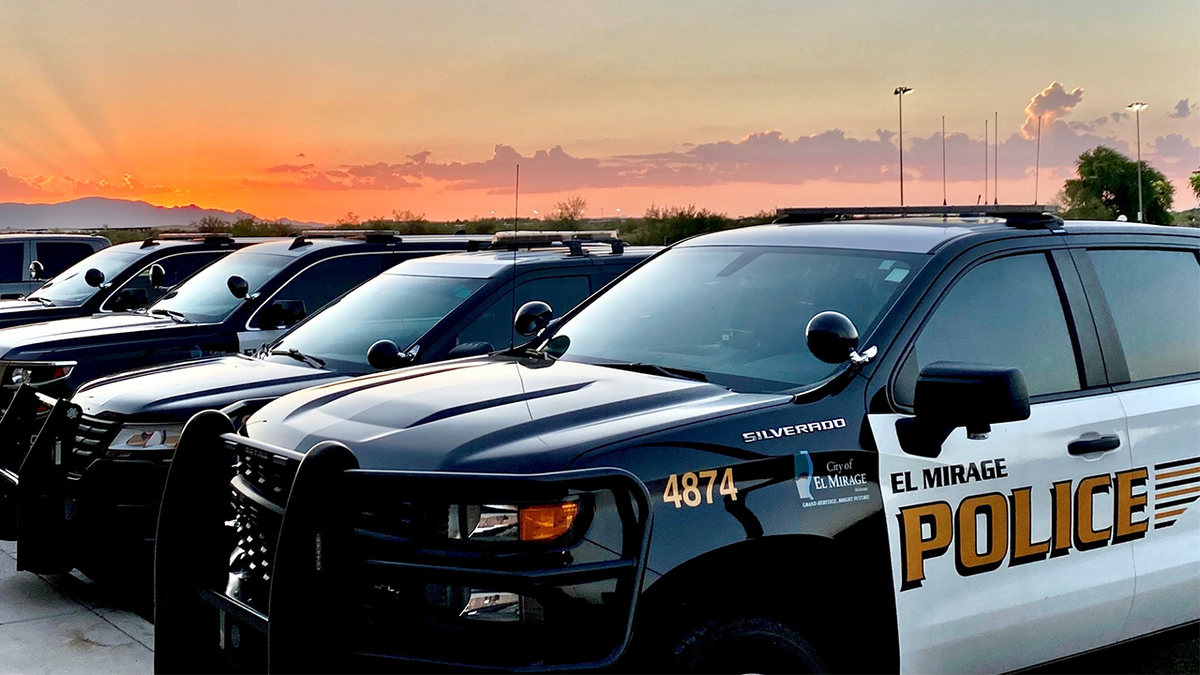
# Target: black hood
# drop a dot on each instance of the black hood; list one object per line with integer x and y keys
{"x": 491, "y": 413}
{"x": 183, "y": 389}
{"x": 33, "y": 340}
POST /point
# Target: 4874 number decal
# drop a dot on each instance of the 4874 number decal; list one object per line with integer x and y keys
{"x": 687, "y": 490}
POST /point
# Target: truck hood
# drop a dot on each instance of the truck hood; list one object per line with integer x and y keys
{"x": 32, "y": 340}
{"x": 500, "y": 414}
{"x": 18, "y": 305}
{"x": 183, "y": 389}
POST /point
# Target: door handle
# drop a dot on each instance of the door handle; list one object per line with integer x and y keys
{"x": 1092, "y": 443}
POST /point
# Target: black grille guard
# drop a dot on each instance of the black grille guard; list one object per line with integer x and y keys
{"x": 305, "y": 627}
{"x": 33, "y": 479}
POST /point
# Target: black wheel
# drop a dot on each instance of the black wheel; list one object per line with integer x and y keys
{"x": 746, "y": 645}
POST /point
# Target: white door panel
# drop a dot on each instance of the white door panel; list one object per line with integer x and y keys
{"x": 1025, "y": 580}
{"x": 1164, "y": 428}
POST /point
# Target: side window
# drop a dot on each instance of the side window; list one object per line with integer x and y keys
{"x": 1005, "y": 312}
{"x": 494, "y": 326}
{"x": 12, "y": 261}
{"x": 1154, "y": 297}
{"x": 316, "y": 286}
{"x": 57, "y": 256}
{"x": 138, "y": 291}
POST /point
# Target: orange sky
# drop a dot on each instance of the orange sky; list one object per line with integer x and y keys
{"x": 309, "y": 110}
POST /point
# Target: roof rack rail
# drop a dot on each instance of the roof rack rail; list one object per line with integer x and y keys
{"x": 1016, "y": 215}
{"x": 572, "y": 239}
{"x": 206, "y": 237}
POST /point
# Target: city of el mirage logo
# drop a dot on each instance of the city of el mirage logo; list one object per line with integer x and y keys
{"x": 932, "y": 529}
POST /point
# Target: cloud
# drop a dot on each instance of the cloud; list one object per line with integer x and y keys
{"x": 1183, "y": 109}
{"x": 127, "y": 186}
{"x": 1051, "y": 103}
{"x": 1175, "y": 148}
{"x": 15, "y": 186}
{"x": 289, "y": 168}
{"x": 1118, "y": 116}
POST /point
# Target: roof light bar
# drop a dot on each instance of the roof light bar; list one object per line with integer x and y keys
{"x": 843, "y": 212}
{"x": 206, "y": 237}
{"x": 572, "y": 239}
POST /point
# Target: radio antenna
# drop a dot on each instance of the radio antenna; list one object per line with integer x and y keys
{"x": 512, "y": 340}
{"x": 1037, "y": 167}
{"x": 985, "y": 157}
{"x": 943, "y": 160}
{"x": 996, "y": 159}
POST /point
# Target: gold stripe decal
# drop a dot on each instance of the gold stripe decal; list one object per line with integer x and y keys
{"x": 1172, "y": 474}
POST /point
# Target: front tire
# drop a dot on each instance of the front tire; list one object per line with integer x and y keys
{"x": 744, "y": 645}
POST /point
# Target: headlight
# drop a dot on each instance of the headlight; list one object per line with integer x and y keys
{"x": 38, "y": 373}
{"x": 147, "y": 437}
{"x": 505, "y": 522}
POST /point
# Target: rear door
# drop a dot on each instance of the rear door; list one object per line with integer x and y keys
{"x": 493, "y": 322}
{"x": 1000, "y": 547}
{"x": 14, "y": 277}
{"x": 1148, "y": 306}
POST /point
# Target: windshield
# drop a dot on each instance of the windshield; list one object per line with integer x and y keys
{"x": 205, "y": 297}
{"x": 734, "y": 314}
{"x": 396, "y": 307}
{"x": 69, "y": 288}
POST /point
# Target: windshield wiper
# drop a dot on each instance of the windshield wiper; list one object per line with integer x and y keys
{"x": 299, "y": 356}
{"x": 652, "y": 369}
{"x": 179, "y": 317}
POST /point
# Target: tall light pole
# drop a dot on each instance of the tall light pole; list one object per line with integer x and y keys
{"x": 900, "y": 92}
{"x": 1137, "y": 107}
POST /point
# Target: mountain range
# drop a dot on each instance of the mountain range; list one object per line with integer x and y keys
{"x": 90, "y": 213}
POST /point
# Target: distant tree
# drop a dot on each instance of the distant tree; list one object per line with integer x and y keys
{"x": 349, "y": 220}
{"x": 212, "y": 224}
{"x": 1195, "y": 183}
{"x": 1108, "y": 180}
{"x": 569, "y": 211}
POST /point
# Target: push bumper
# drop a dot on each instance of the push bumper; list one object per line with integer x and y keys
{"x": 329, "y": 593}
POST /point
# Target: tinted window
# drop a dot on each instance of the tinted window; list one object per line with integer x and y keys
{"x": 69, "y": 288}
{"x": 320, "y": 283}
{"x": 1005, "y": 312}
{"x": 12, "y": 261}
{"x": 735, "y": 314}
{"x": 206, "y": 297}
{"x": 177, "y": 268}
{"x": 1154, "y": 297}
{"x": 57, "y": 256}
{"x": 395, "y": 307}
{"x": 494, "y": 326}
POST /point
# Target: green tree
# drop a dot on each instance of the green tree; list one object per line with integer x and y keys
{"x": 1107, "y": 185}
{"x": 570, "y": 210}
{"x": 1195, "y": 183}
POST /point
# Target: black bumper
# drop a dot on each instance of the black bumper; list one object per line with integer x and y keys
{"x": 320, "y": 604}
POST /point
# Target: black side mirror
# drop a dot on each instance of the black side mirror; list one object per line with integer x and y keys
{"x": 831, "y": 337}
{"x": 952, "y": 395}
{"x": 532, "y": 318}
{"x": 385, "y": 355}
{"x": 93, "y": 277}
{"x": 157, "y": 275}
{"x": 238, "y": 286}
{"x": 36, "y": 270}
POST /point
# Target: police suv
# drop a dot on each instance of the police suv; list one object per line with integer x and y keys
{"x": 120, "y": 278}
{"x": 94, "y": 479}
{"x": 968, "y": 441}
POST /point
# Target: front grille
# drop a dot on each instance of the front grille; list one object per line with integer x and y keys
{"x": 92, "y": 438}
{"x": 255, "y": 526}
{"x": 16, "y": 447}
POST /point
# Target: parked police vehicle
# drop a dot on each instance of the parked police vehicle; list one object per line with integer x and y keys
{"x": 120, "y": 278}
{"x": 926, "y": 444}
{"x": 28, "y": 259}
{"x": 95, "y": 479}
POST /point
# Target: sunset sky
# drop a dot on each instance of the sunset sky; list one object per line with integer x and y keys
{"x": 309, "y": 110}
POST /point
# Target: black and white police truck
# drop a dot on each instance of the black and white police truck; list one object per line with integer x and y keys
{"x": 91, "y": 482}
{"x": 968, "y": 441}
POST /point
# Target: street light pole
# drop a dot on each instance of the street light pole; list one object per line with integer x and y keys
{"x": 1137, "y": 107}
{"x": 900, "y": 92}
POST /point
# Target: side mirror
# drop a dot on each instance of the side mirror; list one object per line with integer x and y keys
{"x": 93, "y": 277}
{"x": 238, "y": 286}
{"x": 157, "y": 275}
{"x": 385, "y": 355}
{"x": 532, "y": 318}
{"x": 951, "y": 395}
{"x": 36, "y": 270}
{"x": 831, "y": 337}
{"x": 282, "y": 314}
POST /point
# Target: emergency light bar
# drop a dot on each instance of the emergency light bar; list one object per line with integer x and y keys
{"x": 206, "y": 237}
{"x": 1016, "y": 215}
{"x": 572, "y": 239}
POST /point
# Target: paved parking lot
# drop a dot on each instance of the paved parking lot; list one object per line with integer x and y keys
{"x": 66, "y": 624}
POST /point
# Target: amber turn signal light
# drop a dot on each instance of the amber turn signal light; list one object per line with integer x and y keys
{"x": 547, "y": 521}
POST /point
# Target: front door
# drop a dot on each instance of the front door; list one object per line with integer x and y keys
{"x": 1005, "y": 549}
